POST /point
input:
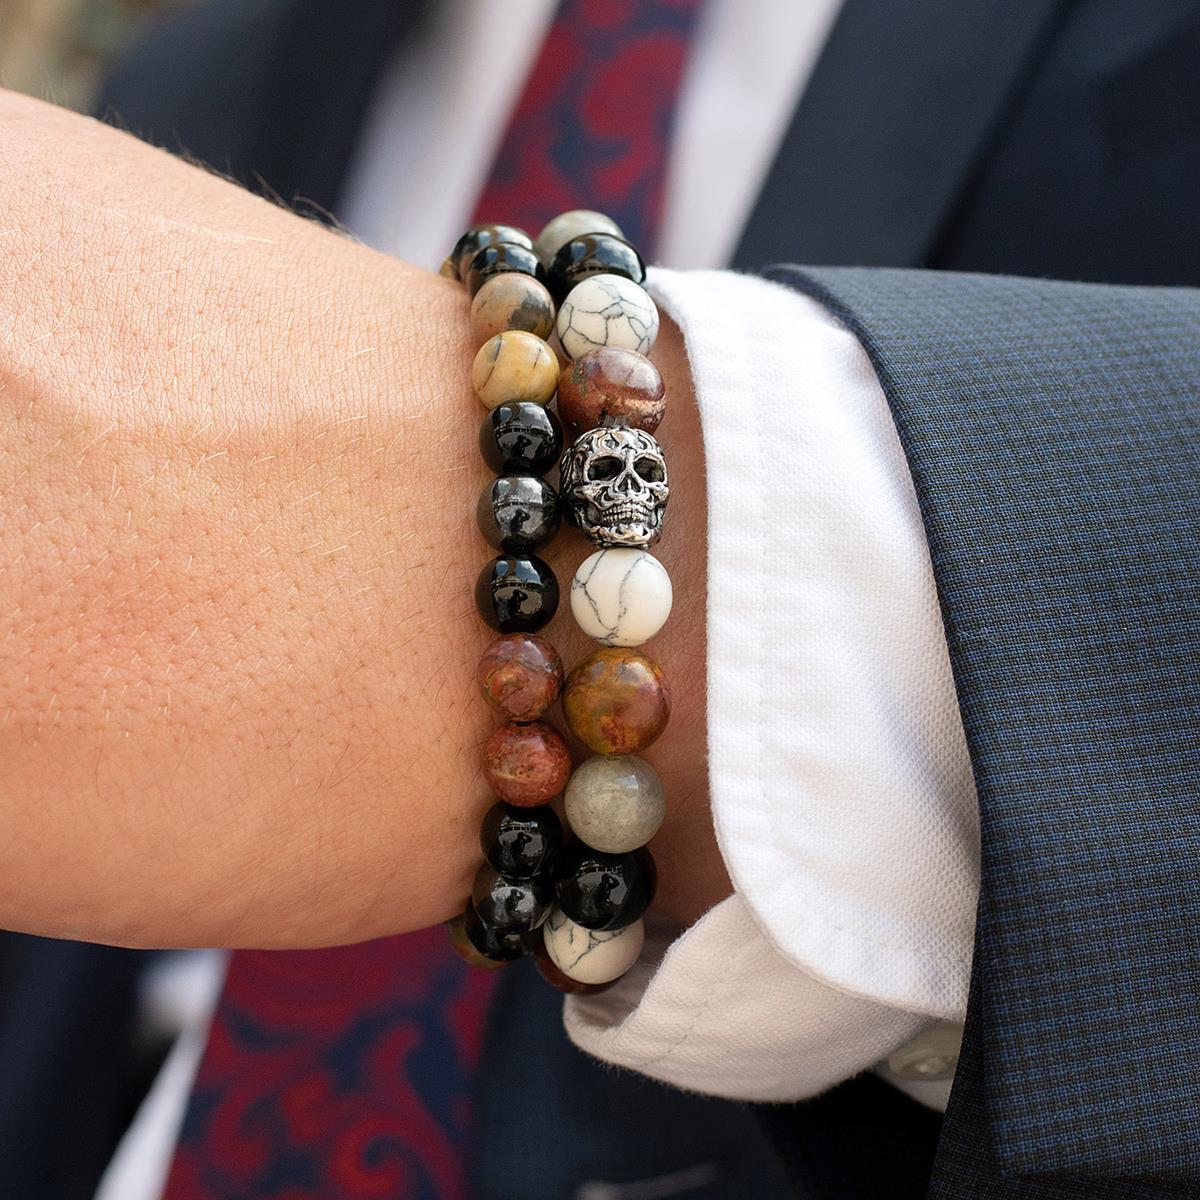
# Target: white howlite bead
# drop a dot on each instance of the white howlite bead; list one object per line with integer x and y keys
{"x": 615, "y": 802}
{"x": 591, "y": 955}
{"x": 607, "y": 310}
{"x": 621, "y": 596}
{"x": 560, "y": 230}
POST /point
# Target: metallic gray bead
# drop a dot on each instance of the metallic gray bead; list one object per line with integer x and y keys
{"x": 615, "y": 803}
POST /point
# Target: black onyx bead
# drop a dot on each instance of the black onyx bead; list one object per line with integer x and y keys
{"x": 511, "y": 905}
{"x": 498, "y": 258}
{"x": 520, "y": 439}
{"x": 479, "y": 236}
{"x": 498, "y": 944}
{"x": 592, "y": 254}
{"x": 516, "y": 594}
{"x": 521, "y": 842}
{"x": 605, "y": 891}
{"x": 518, "y": 513}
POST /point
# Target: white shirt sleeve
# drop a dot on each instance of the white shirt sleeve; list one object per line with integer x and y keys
{"x": 841, "y": 787}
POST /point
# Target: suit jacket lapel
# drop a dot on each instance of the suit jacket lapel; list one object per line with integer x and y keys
{"x": 882, "y": 144}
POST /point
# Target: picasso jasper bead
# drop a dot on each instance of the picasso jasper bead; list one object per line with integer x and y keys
{"x": 520, "y": 676}
{"x": 514, "y": 366}
{"x": 521, "y": 842}
{"x": 614, "y": 385}
{"x": 605, "y": 891}
{"x": 499, "y": 259}
{"x": 616, "y": 701}
{"x": 621, "y": 597}
{"x": 592, "y": 254}
{"x": 510, "y": 905}
{"x": 500, "y": 945}
{"x": 516, "y": 594}
{"x": 518, "y": 513}
{"x": 520, "y": 439}
{"x": 615, "y": 803}
{"x": 561, "y": 229}
{"x": 591, "y": 956}
{"x": 479, "y": 236}
{"x": 607, "y": 310}
{"x": 511, "y": 301}
{"x": 526, "y": 764}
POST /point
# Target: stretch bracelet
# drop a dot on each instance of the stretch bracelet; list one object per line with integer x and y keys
{"x": 573, "y": 898}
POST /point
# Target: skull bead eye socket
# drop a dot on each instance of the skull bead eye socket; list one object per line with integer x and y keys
{"x": 606, "y": 467}
{"x": 649, "y": 469}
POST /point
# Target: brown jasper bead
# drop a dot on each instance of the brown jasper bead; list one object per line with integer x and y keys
{"x": 526, "y": 764}
{"x": 611, "y": 382}
{"x": 520, "y": 675}
{"x": 616, "y": 701}
{"x": 511, "y": 301}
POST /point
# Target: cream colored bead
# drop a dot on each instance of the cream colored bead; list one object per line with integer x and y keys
{"x": 607, "y": 310}
{"x": 591, "y": 955}
{"x": 514, "y": 366}
{"x": 511, "y": 300}
{"x": 621, "y": 596}
{"x": 559, "y": 230}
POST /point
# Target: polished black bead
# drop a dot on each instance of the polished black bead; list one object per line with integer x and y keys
{"x": 605, "y": 891}
{"x": 479, "y": 236}
{"x": 521, "y": 842}
{"x": 592, "y": 254}
{"x": 498, "y": 258}
{"x": 518, "y": 513}
{"x": 516, "y": 593}
{"x": 521, "y": 438}
{"x": 511, "y": 905}
{"x": 499, "y": 944}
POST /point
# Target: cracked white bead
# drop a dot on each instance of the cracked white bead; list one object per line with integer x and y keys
{"x": 607, "y": 310}
{"x": 621, "y": 596}
{"x": 591, "y": 955}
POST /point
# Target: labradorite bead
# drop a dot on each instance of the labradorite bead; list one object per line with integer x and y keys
{"x": 521, "y": 842}
{"x": 526, "y": 764}
{"x": 561, "y": 229}
{"x": 499, "y": 945}
{"x": 520, "y": 676}
{"x": 516, "y": 594}
{"x": 591, "y": 955}
{"x": 520, "y": 439}
{"x": 510, "y": 905}
{"x": 479, "y": 236}
{"x": 592, "y": 254}
{"x": 498, "y": 259}
{"x": 611, "y": 383}
{"x": 616, "y": 701}
{"x": 511, "y": 301}
{"x": 615, "y": 803}
{"x": 605, "y": 891}
{"x": 518, "y": 513}
{"x": 514, "y": 366}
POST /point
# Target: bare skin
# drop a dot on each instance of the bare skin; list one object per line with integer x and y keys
{"x": 238, "y": 467}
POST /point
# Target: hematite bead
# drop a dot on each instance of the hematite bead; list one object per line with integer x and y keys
{"x": 615, "y": 803}
{"x": 518, "y": 513}
{"x": 510, "y": 905}
{"x": 607, "y": 310}
{"x": 592, "y": 254}
{"x": 561, "y": 229}
{"x": 520, "y": 439}
{"x": 511, "y": 301}
{"x": 500, "y": 945}
{"x": 514, "y": 366}
{"x": 516, "y": 594}
{"x": 521, "y": 842}
{"x": 616, "y": 701}
{"x": 520, "y": 675}
{"x": 591, "y": 956}
{"x": 611, "y": 383}
{"x": 479, "y": 236}
{"x": 526, "y": 764}
{"x": 605, "y": 891}
{"x": 498, "y": 258}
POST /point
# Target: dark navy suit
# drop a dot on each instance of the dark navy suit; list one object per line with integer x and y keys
{"x": 1053, "y": 431}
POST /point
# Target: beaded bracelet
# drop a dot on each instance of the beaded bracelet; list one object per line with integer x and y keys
{"x": 576, "y": 905}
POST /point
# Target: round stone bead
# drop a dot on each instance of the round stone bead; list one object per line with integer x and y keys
{"x": 498, "y": 259}
{"x": 456, "y": 927}
{"x": 611, "y": 384}
{"x": 615, "y": 803}
{"x": 510, "y": 905}
{"x": 526, "y": 764}
{"x": 520, "y": 676}
{"x": 518, "y": 513}
{"x": 514, "y": 366}
{"x": 616, "y": 701}
{"x": 499, "y": 945}
{"x": 607, "y": 310}
{"x": 561, "y": 229}
{"x": 520, "y": 439}
{"x": 592, "y": 254}
{"x": 479, "y": 236}
{"x": 511, "y": 301}
{"x": 521, "y": 842}
{"x": 621, "y": 597}
{"x": 604, "y": 891}
{"x": 555, "y": 978}
{"x": 588, "y": 955}
{"x": 516, "y": 594}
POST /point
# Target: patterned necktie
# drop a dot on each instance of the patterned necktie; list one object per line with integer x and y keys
{"x": 346, "y": 1073}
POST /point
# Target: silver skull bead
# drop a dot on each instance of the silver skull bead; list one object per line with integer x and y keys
{"x": 614, "y": 486}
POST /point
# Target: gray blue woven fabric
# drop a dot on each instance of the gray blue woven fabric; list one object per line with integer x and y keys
{"x": 1053, "y": 432}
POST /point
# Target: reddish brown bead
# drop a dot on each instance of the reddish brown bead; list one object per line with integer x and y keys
{"x": 520, "y": 675}
{"x": 526, "y": 764}
{"x": 611, "y": 382}
{"x": 616, "y": 701}
{"x": 461, "y": 941}
{"x": 556, "y": 979}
